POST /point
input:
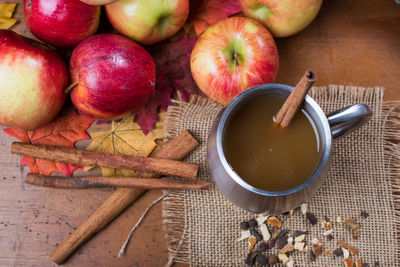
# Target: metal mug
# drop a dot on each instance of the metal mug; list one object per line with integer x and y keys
{"x": 244, "y": 195}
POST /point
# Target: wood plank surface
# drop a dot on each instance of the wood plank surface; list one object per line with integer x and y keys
{"x": 350, "y": 42}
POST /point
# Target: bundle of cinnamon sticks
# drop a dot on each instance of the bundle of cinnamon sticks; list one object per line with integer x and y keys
{"x": 101, "y": 159}
{"x": 163, "y": 161}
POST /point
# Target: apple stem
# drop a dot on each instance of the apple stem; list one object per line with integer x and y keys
{"x": 235, "y": 57}
{"x": 69, "y": 88}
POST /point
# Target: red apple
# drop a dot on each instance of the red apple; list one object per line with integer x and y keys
{"x": 115, "y": 76}
{"x": 148, "y": 21}
{"x": 282, "y": 18}
{"x": 62, "y": 23}
{"x": 32, "y": 82}
{"x": 232, "y": 55}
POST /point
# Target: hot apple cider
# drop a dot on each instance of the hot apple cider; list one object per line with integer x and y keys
{"x": 266, "y": 155}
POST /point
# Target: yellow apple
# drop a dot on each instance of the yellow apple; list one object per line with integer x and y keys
{"x": 282, "y": 17}
{"x": 148, "y": 21}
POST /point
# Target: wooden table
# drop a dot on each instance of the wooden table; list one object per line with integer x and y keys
{"x": 350, "y": 42}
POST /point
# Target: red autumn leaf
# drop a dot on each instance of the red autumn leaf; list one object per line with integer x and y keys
{"x": 62, "y": 131}
{"x": 173, "y": 75}
{"x": 207, "y": 12}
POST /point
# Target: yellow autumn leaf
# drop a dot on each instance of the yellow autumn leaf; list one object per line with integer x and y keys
{"x": 6, "y": 11}
{"x": 126, "y": 138}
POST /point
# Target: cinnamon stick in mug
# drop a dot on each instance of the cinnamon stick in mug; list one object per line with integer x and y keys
{"x": 100, "y": 181}
{"x": 101, "y": 159}
{"x": 295, "y": 99}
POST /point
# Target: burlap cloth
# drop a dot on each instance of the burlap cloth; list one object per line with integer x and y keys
{"x": 364, "y": 175}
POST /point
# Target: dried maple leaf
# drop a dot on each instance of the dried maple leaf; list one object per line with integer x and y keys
{"x": 204, "y": 13}
{"x": 126, "y": 138}
{"x": 62, "y": 131}
{"x": 173, "y": 75}
{"x": 6, "y": 11}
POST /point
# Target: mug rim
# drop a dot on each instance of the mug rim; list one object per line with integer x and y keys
{"x": 324, "y": 157}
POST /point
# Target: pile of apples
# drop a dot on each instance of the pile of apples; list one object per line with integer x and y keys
{"x": 111, "y": 75}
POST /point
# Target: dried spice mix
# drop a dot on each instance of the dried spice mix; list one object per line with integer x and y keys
{"x": 270, "y": 243}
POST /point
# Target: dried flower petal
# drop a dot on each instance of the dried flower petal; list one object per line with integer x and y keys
{"x": 283, "y": 258}
{"x": 352, "y": 250}
{"x": 290, "y": 239}
{"x": 338, "y": 219}
{"x": 316, "y": 250}
{"x": 345, "y": 253}
{"x": 300, "y": 238}
{"x": 348, "y": 262}
{"x": 274, "y": 222}
{"x": 290, "y": 263}
{"x": 252, "y": 241}
{"x": 245, "y": 234}
{"x": 352, "y": 223}
{"x": 261, "y": 219}
{"x": 305, "y": 249}
{"x": 326, "y": 252}
{"x": 287, "y": 248}
{"x": 316, "y": 241}
{"x": 327, "y": 225}
{"x": 359, "y": 263}
{"x": 265, "y": 232}
{"x": 276, "y": 233}
{"x": 316, "y": 247}
{"x": 303, "y": 208}
{"x": 356, "y": 234}
{"x": 329, "y": 232}
{"x": 299, "y": 245}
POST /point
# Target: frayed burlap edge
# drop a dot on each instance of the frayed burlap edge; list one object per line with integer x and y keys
{"x": 173, "y": 212}
{"x": 392, "y": 157}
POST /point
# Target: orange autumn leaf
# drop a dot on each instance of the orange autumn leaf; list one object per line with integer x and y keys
{"x": 62, "y": 131}
{"x": 207, "y": 12}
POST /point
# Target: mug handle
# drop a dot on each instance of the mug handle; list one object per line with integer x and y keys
{"x": 348, "y": 119}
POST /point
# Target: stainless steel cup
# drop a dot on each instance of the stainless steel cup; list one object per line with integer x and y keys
{"x": 244, "y": 195}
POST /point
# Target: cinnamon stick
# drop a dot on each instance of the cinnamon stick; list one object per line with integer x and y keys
{"x": 120, "y": 199}
{"x": 295, "y": 99}
{"x": 100, "y": 181}
{"x": 93, "y": 158}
